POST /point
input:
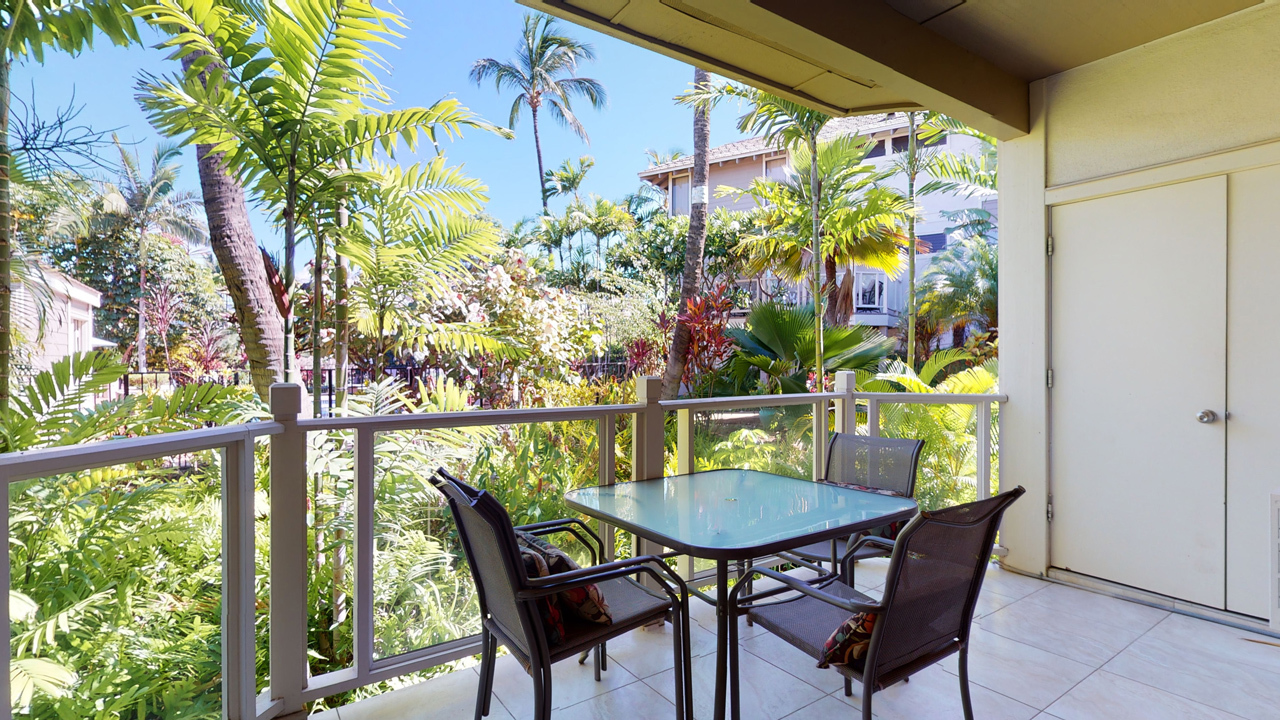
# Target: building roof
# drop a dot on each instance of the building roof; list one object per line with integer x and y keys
{"x": 838, "y": 127}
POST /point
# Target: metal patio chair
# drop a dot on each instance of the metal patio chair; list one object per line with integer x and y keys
{"x": 882, "y": 463}
{"x": 938, "y": 563}
{"x": 508, "y": 598}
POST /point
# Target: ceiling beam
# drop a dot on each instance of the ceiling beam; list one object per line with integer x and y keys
{"x": 913, "y": 61}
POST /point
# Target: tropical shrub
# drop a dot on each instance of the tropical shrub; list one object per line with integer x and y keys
{"x": 949, "y": 462}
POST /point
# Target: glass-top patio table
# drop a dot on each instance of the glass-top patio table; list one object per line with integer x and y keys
{"x": 736, "y": 515}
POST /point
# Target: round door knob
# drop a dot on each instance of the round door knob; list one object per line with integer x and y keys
{"x": 1207, "y": 416}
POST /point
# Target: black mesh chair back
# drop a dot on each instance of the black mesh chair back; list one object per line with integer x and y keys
{"x": 885, "y": 463}
{"x": 489, "y": 542}
{"x": 933, "y": 584}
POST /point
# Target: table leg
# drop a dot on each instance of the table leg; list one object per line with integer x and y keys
{"x": 723, "y": 612}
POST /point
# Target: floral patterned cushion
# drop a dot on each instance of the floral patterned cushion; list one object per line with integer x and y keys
{"x": 586, "y": 602}
{"x": 848, "y": 644}
{"x": 548, "y": 607}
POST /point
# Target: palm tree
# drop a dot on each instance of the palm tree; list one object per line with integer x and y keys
{"x": 604, "y": 219}
{"x": 859, "y": 221}
{"x": 149, "y": 204}
{"x": 777, "y": 340}
{"x": 691, "y": 278}
{"x": 786, "y": 124}
{"x": 963, "y": 284}
{"x": 27, "y": 28}
{"x": 543, "y": 74}
{"x": 308, "y": 66}
{"x": 912, "y": 164}
{"x": 406, "y": 243}
{"x": 568, "y": 179}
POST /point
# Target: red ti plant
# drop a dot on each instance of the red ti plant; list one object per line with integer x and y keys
{"x": 707, "y": 316}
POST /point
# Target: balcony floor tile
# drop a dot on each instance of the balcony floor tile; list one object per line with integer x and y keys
{"x": 1039, "y": 650}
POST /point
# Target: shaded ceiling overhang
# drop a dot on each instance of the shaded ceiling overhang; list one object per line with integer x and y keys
{"x": 845, "y": 57}
{"x": 972, "y": 59}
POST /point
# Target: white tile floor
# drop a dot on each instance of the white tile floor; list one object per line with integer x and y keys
{"x": 1039, "y": 650}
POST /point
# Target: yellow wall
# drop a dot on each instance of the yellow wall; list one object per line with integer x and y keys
{"x": 1207, "y": 89}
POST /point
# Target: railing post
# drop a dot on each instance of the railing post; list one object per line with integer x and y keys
{"x": 983, "y": 433}
{"x": 684, "y": 441}
{"x": 847, "y": 406}
{"x": 239, "y": 679}
{"x": 363, "y": 610}
{"x": 288, "y": 550}
{"x": 606, "y": 434}
{"x": 820, "y": 429}
{"x": 648, "y": 442}
{"x": 873, "y": 417}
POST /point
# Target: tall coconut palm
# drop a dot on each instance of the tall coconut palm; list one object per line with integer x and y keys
{"x": 691, "y": 278}
{"x": 788, "y": 124}
{"x": 543, "y": 75}
{"x": 236, "y": 250}
{"x": 27, "y": 29}
{"x": 150, "y": 203}
{"x": 859, "y": 221}
{"x": 310, "y": 67}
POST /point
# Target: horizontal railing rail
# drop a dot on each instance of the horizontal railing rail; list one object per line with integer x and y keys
{"x": 235, "y": 442}
{"x": 291, "y": 686}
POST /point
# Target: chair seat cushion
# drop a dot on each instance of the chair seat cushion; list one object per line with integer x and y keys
{"x": 848, "y": 644}
{"x": 586, "y": 602}
{"x": 631, "y": 605}
{"x": 807, "y": 622}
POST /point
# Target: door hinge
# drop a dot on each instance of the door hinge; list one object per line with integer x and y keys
{"x": 1048, "y": 511}
{"x": 1048, "y": 246}
{"x": 1048, "y": 377}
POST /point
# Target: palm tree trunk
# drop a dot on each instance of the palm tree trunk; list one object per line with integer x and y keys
{"x": 286, "y": 272}
{"x": 832, "y": 291}
{"x": 911, "y": 242}
{"x": 142, "y": 299}
{"x": 341, "y": 319}
{"x": 542, "y": 179}
{"x": 6, "y": 240}
{"x": 694, "y": 245}
{"x": 317, "y": 314}
{"x": 815, "y": 189}
{"x": 238, "y": 256}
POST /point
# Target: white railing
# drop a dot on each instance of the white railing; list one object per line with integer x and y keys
{"x": 291, "y": 686}
{"x": 235, "y": 442}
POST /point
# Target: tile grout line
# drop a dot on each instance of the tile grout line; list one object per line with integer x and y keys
{"x": 1100, "y": 667}
{"x": 1160, "y": 689}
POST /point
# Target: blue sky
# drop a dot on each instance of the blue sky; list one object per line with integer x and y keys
{"x": 432, "y": 61}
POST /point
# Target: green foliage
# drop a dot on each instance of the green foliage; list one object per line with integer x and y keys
{"x": 948, "y": 465}
{"x": 116, "y": 572}
{"x": 777, "y": 341}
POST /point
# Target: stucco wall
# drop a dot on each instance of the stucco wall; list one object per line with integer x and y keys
{"x": 1207, "y": 89}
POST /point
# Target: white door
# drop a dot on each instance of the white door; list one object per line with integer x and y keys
{"x": 1253, "y": 385}
{"x": 1138, "y": 350}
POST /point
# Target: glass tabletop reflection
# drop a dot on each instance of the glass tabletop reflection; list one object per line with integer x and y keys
{"x": 736, "y": 514}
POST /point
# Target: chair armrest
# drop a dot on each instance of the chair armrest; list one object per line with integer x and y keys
{"x": 650, "y": 565}
{"x": 853, "y": 547}
{"x": 802, "y": 587}
{"x": 571, "y": 526}
{"x": 846, "y": 561}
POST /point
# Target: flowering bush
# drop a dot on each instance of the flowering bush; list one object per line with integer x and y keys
{"x": 544, "y": 325}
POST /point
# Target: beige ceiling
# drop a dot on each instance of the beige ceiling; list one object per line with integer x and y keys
{"x": 1034, "y": 39}
{"x": 969, "y": 58}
